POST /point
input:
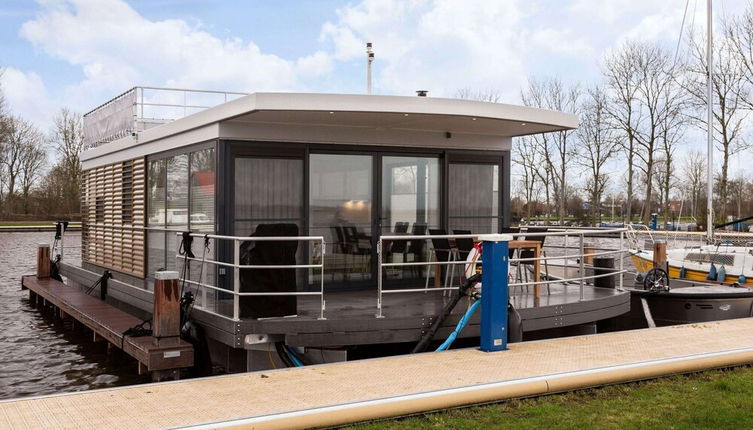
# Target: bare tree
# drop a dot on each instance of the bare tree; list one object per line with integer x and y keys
{"x": 738, "y": 43}
{"x": 67, "y": 138}
{"x": 33, "y": 160}
{"x": 526, "y": 156}
{"x": 483, "y": 95}
{"x": 19, "y": 139}
{"x": 729, "y": 102}
{"x": 555, "y": 148}
{"x": 596, "y": 145}
{"x": 657, "y": 99}
{"x": 621, "y": 73}
{"x": 694, "y": 179}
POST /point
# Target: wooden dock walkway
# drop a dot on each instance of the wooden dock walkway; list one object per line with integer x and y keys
{"x": 109, "y": 323}
{"x": 332, "y": 394}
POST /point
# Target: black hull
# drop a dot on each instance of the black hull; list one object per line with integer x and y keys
{"x": 675, "y": 308}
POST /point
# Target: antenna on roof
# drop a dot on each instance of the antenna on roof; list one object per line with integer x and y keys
{"x": 369, "y": 59}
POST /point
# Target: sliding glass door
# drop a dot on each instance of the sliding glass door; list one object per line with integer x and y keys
{"x": 410, "y": 205}
{"x": 340, "y": 209}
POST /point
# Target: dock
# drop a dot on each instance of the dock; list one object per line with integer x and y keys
{"x": 340, "y": 393}
{"x": 162, "y": 357}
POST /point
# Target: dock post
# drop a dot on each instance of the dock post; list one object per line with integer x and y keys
{"x": 43, "y": 261}
{"x": 660, "y": 254}
{"x": 166, "y": 316}
{"x": 495, "y": 293}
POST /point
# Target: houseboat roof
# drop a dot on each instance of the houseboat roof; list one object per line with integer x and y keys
{"x": 341, "y": 118}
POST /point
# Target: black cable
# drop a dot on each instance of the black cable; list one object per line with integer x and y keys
{"x": 283, "y": 354}
{"x": 426, "y": 339}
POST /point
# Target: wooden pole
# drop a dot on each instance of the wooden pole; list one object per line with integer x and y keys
{"x": 660, "y": 254}
{"x": 166, "y": 316}
{"x": 43, "y": 261}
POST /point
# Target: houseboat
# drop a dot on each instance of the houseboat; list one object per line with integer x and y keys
{"x": 309, "y": 221}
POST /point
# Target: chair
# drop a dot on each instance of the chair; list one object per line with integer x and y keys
{"x": 463, "y": 244}
{"x": 530, "y": 254}
{"x": 399, "y": 246}
{"x": 269, "y": 280}
{"x": 344, "y": 248}
{"x": 416, "y": 246}
{"x": 443, "y": 252}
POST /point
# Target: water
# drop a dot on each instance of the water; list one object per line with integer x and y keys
{"x": 40, "y": 354}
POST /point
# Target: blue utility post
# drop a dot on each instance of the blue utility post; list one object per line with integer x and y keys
{"x": 494, "y": 292}
{"x": 654, "y": 221}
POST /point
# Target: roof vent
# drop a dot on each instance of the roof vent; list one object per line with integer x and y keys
{"x": 422, "y": 93}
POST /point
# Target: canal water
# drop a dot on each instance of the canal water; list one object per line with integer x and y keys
{"x": 40, "y": 354}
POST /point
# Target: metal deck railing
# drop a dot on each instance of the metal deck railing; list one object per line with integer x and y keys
{"x": 566, "y": 254}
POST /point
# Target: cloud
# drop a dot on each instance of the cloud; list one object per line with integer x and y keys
{"x": 436, "y": 45}
{"x": 26, "y": 96}
{"x": 116, "y": 48}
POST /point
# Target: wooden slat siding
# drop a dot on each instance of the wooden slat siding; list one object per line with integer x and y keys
{"x": 114, "y": 195}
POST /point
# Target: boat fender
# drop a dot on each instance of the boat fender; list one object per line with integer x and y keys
{"x": 721, "y": 275}
{"x": 712, "y": 273}
{"x": 514, "y": 325}
{"x": 741, "y": 279}
{"x": 683, "y": 272}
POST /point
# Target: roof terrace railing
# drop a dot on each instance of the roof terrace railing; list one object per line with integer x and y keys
{"x": 142, "y": 107}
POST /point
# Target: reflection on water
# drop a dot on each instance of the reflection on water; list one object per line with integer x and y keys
{"x": 40, "y": 354}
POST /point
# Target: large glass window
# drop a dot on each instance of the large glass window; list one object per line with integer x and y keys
{"x": 202, "y": 180}
{"x": 340, "y": 202}
{"x": 474, "y": 198}
{"x": 156, "y": 216}
{"x": 176, "y": 214}
{"x": 180, "y": 196}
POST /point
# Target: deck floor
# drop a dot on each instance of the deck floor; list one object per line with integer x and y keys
{"x": 272, "y": 392}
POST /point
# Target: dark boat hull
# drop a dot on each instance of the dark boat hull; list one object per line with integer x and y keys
{"x": 678, "y": 307}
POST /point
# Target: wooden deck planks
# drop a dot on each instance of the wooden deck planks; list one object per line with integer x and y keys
{"x": 109, "y": 323}
{"x": 263, "y": 393}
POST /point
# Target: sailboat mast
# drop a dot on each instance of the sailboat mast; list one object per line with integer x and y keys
{"x": 710, "y": 128}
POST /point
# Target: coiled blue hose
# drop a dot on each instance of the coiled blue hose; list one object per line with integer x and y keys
{"x": 461, "y": 324}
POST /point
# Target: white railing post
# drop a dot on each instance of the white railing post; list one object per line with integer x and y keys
{"x": 622, "y": 258}
{"x": 321, "y": 281}
{"x": 582, "y": 265}
{"x": 236, "y": 278}
{"x": 379, "y": 279}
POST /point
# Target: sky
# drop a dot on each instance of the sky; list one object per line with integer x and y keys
{"x": 80, "y": 53}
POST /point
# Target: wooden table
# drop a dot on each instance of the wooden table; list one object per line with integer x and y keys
{"x": 535, "y": 246}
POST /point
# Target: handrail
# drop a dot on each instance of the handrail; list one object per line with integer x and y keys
{"x": 320, "y": 246}
{"x": 580, "y": 256}
{"x": 237, "y": 267}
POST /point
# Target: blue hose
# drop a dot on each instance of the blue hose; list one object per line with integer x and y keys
{"x": 292, "y": 356}
{"x": 461, "y": 324}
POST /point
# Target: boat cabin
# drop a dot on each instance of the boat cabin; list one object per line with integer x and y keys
{"x": 336, "y": 171}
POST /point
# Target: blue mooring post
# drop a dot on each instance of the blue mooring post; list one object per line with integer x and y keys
{"x": 654, "y": 221}
{"x": 494, "y": 292}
